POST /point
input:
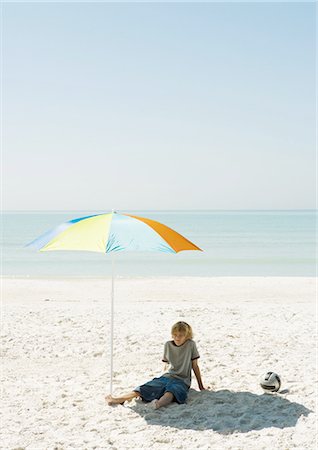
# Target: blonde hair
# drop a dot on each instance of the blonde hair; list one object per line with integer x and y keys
{"x": 182, "y": 327}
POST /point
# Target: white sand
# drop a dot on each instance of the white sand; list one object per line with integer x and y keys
{"x": 55, "y": 363}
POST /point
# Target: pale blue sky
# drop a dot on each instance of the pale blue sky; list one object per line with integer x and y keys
{"x": 158, "y": 106}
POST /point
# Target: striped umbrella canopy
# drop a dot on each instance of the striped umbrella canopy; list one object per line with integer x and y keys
{"x": 109, "y": 233}
{"x": 113, "y": 232}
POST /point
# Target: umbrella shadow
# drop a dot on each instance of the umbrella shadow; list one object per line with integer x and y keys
{"x": 225, "y": 412}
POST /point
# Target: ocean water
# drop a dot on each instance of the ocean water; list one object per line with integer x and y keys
{"x": 235, "y": 243}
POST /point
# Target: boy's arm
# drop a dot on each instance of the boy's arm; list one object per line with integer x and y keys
{"x": 197, "y": 373}
{"x": 165, "y": 358}
{"x": 165, "y": 366}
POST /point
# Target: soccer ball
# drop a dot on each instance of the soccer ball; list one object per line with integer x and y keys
{"x": 270, "y": 382}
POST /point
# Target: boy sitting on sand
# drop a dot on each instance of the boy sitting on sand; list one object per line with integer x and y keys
{"x": 182, "y": 355}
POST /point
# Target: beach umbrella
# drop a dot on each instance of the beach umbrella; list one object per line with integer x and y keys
{"x": 110, "y": 233}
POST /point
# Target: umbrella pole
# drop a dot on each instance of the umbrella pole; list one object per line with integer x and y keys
{"x": 112, "y": 326}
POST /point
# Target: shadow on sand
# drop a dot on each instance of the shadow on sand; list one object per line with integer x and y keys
{"x": 225, "y": 412}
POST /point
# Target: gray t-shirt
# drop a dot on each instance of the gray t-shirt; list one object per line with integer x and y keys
{"x": 180, "y": 359}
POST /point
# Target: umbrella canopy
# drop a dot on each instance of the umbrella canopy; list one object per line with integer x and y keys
{"x": 112, "y": 232}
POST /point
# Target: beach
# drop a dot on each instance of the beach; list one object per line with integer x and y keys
{"x": 55, "y": 362}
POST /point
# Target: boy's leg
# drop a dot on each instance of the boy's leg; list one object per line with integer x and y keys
{"x": 165, "y": 400}
{"x": 123, "y": 398}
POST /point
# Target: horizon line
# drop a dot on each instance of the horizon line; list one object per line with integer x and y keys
{"x": 155, "y": 210}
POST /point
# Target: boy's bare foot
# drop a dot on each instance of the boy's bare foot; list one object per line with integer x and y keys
{"x": 154, "y": 404}
{"x": 113, "y": 400}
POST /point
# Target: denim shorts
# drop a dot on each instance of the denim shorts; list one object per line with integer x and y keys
{"x": 155, "y": 389}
